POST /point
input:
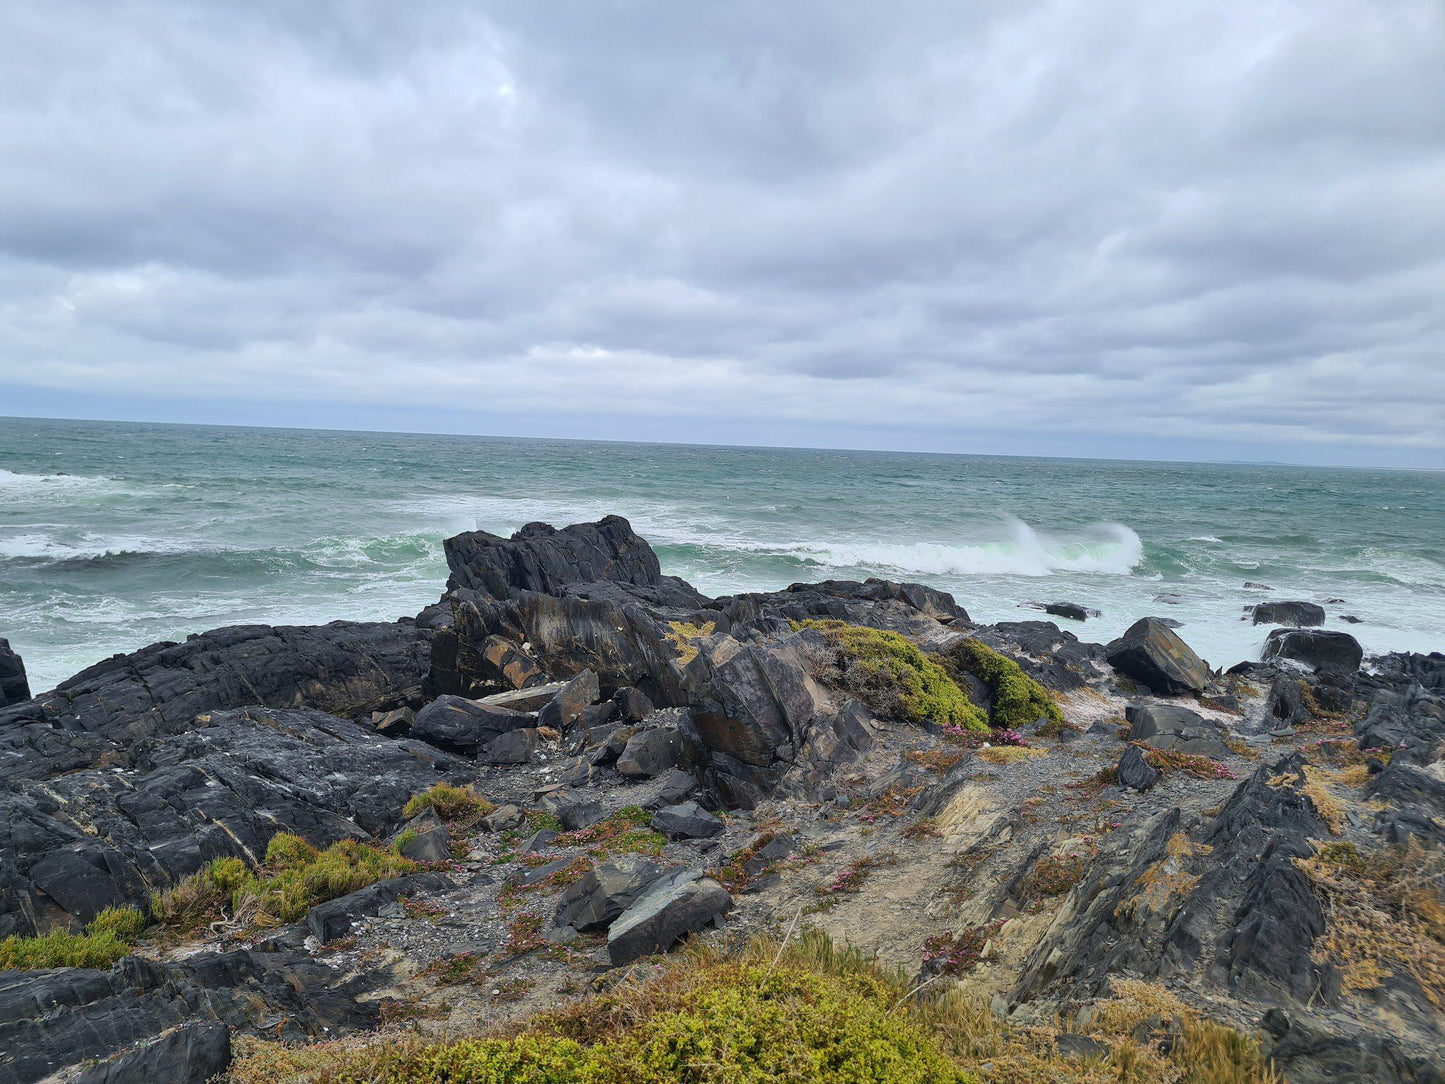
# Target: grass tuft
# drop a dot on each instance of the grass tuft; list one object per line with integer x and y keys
{"x": 108, "y": 937}
{"x": 1017, "y": 698}
{"x": 461, "y": 806}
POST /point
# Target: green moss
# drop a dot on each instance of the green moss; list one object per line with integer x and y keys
{"x": 456, "y": 805}
{"x": 108, "y": 937}
{"x": 893, "y": 677}
{"x": 1017, "y": 698}
{"x": 295, "y": 878}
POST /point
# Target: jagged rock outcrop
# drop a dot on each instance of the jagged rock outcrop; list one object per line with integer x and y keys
{"x": 14, "y": 687}
{"x": 73, "y": 845}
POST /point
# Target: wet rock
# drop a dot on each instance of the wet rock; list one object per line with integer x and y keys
{"x": 1135, "y": 772}
{"x": 1168, "y": 726}
{"x": 333, "y": 919}
{"x": 14, "y": 687}
{"x": 1250, "y": 585}
{"x": 1324, "y": 650}
{"x": 1151, "y": 653}
{"x": 463, "y": 726}
{"x": 687, "y": 820}
{"x": 567, "y": 708}
{"x": 1071, "y": 610}
{"x": 603, "y": 893}
{"x": 1295, "y": 614}
{"x": 513, "y": 747}
{"x": 668, "y": 911}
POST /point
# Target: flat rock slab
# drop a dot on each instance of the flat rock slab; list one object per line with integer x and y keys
{"x": 1169, "y": 726}
{"x": 191, "y": 1054}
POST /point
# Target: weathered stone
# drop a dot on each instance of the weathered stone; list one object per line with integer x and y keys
{"x": 513, "y": 747}
{"x": 687, "y": 820}
{"x": 1168, "y": 726}
{"x": 568, "y": 707}
{"x": 14, "y": 687}
{"x": 577, "y": 815}
{"x": 1327, "y": 650}
{"x": 605, "y": 891}
{"x": 668, "y": 911}
{"x": 333, "y": 919}
{"x": 502, "y": 818}
{"x": 393, "y": 724}
{"x": 1297, "y": 614}
{"x": 424, "y": 838}
{"x": 510, "y": 663}
{"x": 666, "y": 741}
{"x": 190, "y": 1054}
{"x": 632, "y": 704}
{"x": 1135, "y": 772}
{"x": 1152, "y": 653}
{"x": 460, "y": 725}
{"x": 532, "y": 698}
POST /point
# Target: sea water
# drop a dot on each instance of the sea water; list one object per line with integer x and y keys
{"x": 113, "y": 536}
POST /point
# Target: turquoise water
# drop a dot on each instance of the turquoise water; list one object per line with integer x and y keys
{"x": 115, "y": 535}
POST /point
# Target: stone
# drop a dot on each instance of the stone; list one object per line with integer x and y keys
{"x": 14, "y": 686}
{"x": 1152, "y": 653}
{"x": 460, "y": 725}
{"x": 668, "y": 740}
{"x": 632, "y": 704}
{"x": 393, "y": 724}
{"x": 1297, "y": 614}
{"x": 513, "y": 747}
{"x": 532, "y": 698}
{"x": 190, "y": 1054}
{"x": 1135, "y": 772}
{"x": 1326, "y": 650}
{"x": 502, "y": 818}
{"x": 668, "y": 911}
{"x": 424, "y": 838}
{"x": 333, "y": 919}
{"x": 687, "y": 820}
{"x": 510, "y": 664}
{"x": 569, "y": 706}
{"x": 578, "y": 815}
{"x": 605, "y": 892}
{"x": 539, "y": 840}
{"x": 1072, "y": 610}
{"x": 677, "y": 786}
{"x": 1168, "y": 726}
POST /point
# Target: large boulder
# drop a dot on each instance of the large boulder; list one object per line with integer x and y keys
{"x": 666, "y": 740}
{"x": 13, "y": 684}
{"x": 566, "y": 709}
{"x": 668, "y": 911}
{"x": 1322, "y": 649}
{"x": 460, "y": 725}
{"x": 1297, "y": 614}
{"x": 1150, "y": 652}
{"x": 686, "y": 820}
{"x": 605, "y": 891}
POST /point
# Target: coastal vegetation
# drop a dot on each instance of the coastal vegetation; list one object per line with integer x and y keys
{"x": 107, "y": 938}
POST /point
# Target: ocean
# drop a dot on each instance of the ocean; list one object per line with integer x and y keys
{"x": 116, "y": 535}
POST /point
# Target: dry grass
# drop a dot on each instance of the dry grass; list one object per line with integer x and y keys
{"x": 1010, "y": 754}
{"x": 1386, "y": 914}
{"x": 462, "y": 807}
{"x": 682, "y": 635}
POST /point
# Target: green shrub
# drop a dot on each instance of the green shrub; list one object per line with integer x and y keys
{"x": 457, "y": 805}
{"x": 1017, "y": 698}
{"x": 108, "y": 937}
{"x": 890, "y": 675}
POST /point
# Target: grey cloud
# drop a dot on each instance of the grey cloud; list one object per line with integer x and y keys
{"x": 1215, "y": 223}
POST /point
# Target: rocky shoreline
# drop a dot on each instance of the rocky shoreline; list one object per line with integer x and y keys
{"x": 657, "y": 764}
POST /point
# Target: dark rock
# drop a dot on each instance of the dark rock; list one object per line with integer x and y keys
{"x": 577, "y": 815}
{"x": 190, "y": 1054}
{"x": 532, "y": 698}
{"x": 424, "y": 838}
{"x": 1351, "y": 619}
{"x": 1072, "y": 610}
{"x": 668, "y": 911}
{"x": 333, "y": 919}
{"x": 14, "y": 687}
{"x": 632, "y": 704}
{"x": 460, "y": 725}
{"x": 567, "y": 708}
{"x": 1151, "y": 653}
{"x": 1325, "y": 650}
{"x": 502, "y": 818}
{"x": 1135, "y": 772}
{"x": 393, "y": 724}
{"x": 539, "y": 840}
{"x": 604, "y": 892}
{"x": 1168, "y": 726}
{"x": 1252, "y": 586}
{"x": 504, "y": 661}
{"x": 687, "y": 820}
{"x": 666, "y": 741}
{"x": 1296, "y": 614}
{"x": 513, "y": 747}
{"x": 677, "y": 787}
{"x": 222, "y": 789}
{"x": 1284, "y": 709}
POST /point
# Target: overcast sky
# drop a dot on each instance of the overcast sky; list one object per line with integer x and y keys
{"x": 1176, "y": 230}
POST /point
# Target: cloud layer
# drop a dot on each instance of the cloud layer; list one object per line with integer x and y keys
{"x": 1100, "y": 228}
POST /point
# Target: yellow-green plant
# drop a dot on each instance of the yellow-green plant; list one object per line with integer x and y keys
{"x": 1017, "y": 698}
{"x": 107, "y": 938}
